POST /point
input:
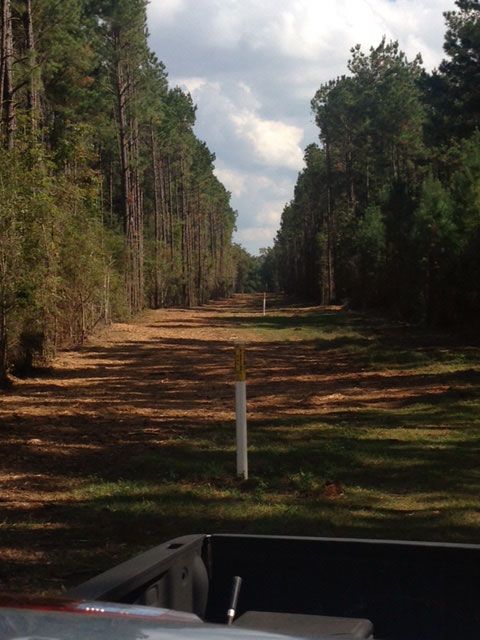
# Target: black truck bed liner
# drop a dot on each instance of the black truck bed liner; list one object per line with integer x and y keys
{"x": 408, "y": 590}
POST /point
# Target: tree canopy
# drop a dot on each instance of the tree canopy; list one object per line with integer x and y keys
{"x": 386, "y": 212}
{"x": 108, "y": 201}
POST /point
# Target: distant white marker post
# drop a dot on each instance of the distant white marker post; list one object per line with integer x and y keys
{"x": 265, "y": 304}
{"x": 241, "y": 410}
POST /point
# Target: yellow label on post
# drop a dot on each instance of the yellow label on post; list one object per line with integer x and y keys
{"x": 240, "y": 370}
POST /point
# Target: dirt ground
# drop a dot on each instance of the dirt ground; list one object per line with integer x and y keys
{"x": 133, "y": 389}
{"x": 128, "y": 390}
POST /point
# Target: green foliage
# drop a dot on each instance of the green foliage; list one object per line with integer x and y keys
{"x": 371, "y": 247}
{"x": 53, "y": 255}
{"x": 461, "y": 70}
{"x": 434, "y": 233}
{"x": 104, "y": 189}
{"x": 466, "y": 198}
{"x": 250, "y": 277}
{"x": 386, "y": 212}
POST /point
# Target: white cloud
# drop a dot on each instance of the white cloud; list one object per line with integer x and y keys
{"x": 270, "y": 213}
{"x": 234, "y": 181}
{"x": 166, "y": 10}
{"x": 253, "y": 66}
{"x": 274, "y": 143}
{"x": 254, "y": 192}
{"x": 257, "y": 236}
{"x": 192, "y": 85}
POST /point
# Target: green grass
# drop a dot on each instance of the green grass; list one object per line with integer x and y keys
{"x": 408, "y": 463}
{"x": 406, "y": 472}
{"x": 414, "y": 483}
{"x": 327, "y": 327}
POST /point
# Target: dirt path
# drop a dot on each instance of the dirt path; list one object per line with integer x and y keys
{"x": 132, "y": 383}
{"x": 129, "y": 441}
{"x": 129, "y": 390}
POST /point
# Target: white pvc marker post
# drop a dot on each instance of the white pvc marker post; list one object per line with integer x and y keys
{"x": 241, "y": 411}
{"x": 264, "y": 304}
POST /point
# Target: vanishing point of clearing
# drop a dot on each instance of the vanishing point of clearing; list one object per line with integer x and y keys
{"x": 357, "y": 427}
{"x": 117, "y": 423}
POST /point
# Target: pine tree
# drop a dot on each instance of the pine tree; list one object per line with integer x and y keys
{"x": 461, "y": 70}
{"x": 104, "y": 188}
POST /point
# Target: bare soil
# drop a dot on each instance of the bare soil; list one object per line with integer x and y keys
{"x": 134, "y": 388}
{"x": 127, "y": 391}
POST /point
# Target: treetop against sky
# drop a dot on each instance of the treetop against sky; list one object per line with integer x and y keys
{"x": 253, "y": 68}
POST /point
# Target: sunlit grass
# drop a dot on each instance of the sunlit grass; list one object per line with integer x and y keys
{"x": 414, "y": 483}
{"x": 403, "y": 448}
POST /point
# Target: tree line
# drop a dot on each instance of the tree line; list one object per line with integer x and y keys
{"x": 108, "y": 201}
{"x": 386, "y": 212}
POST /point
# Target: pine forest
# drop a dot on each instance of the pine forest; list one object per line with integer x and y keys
{"x": 108, "y": 200}
{"x": 284, "y": 433}
{"x": 386, "y": 213}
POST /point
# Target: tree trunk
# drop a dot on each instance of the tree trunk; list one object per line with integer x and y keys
{"x": 33, "y": 97}
{"x": 156, "y": 220}
{"x": 8, "y": 105}
{"x": 3, "y": 338}
{"x": 131, "y": 190}
{"x": 329, "y": 296}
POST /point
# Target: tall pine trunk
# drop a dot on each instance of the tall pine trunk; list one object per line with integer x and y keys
{"x": 3, "y": 333}
{"x": 33, "y": 92}
{"x": 329, "y": 281}
{"x": 6, "y": 79}
{"x": 157, "y": 204}
{"x": 7, "y": 121}
{"x": 131, "y": 190}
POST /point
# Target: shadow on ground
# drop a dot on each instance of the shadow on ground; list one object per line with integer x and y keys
{"x": 134, "y": 444}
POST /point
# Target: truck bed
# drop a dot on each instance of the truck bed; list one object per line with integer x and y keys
{"x": 408, "y": 590}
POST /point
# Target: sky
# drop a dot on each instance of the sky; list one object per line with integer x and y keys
{"x": 253, "y": 66}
